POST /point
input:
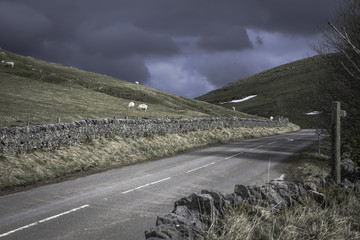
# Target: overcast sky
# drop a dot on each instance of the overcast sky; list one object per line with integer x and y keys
{"x": 185, "y": 47}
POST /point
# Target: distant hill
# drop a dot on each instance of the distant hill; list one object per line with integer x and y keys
{"x": 41, "y": 92}
{"x": 288, "y": 90}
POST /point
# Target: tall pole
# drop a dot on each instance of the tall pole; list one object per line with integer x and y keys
{"x": 335, "y": 140}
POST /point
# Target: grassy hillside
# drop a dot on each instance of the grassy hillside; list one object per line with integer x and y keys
{"x": 288, "y": 90}
{"x": 41, "y": 92}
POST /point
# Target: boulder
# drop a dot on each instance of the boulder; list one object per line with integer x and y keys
{"x": 349, "y": 171}
{"x": 347, "y": 166}
{"x": 220, "y": 202}
{"x": 191, "y": 218}
{"x": 310, "y": 186}
{"x": 277, "y": 193}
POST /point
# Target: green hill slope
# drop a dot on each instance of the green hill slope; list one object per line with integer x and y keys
{"x": 40, "y": 92}
{"x": 289, "y": 90}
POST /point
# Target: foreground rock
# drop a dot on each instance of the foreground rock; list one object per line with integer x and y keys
{"x": 196, "y": 214}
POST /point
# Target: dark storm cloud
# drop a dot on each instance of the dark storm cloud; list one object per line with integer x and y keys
{"x": 130, "y": 69}
{"x": 229, "y": 40}
{"x": 22, "y": 27}
{"x": 121, "y": 37}
{"x": 127, "y": 40}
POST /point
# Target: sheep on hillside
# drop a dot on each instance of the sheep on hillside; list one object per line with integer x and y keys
{"x": 142, "y": 107}
{"x": 131, "y": 105}
{"x": 271, "y": 118}
{"x": 8, "y": 64}
{"x": 233, "y": 108}
{"x": 136, "y": 82}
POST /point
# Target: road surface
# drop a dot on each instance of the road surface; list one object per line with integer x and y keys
{"x": 123, "y": 203}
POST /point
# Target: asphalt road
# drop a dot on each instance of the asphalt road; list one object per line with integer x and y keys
{"x": 123, "y": 203}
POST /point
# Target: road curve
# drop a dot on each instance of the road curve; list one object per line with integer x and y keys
{"x": 123, "y": 203}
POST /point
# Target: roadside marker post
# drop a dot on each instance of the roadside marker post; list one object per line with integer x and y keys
{"x": 336, "y": 113}
{"x": 318, "y": 131}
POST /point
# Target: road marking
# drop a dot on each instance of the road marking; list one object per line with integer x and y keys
{"x": 145, "y": 185}
{"x": 234, "y": 155}
{"x": 128, "y": 191}
{"x": 165, "y": 179}
{"x": 42, "y": 221}
{"x": 272, "y": 143}
{"x": 256, "y": 147}
{"x": 192, "y": 170}
{"x": 142, "y": 186}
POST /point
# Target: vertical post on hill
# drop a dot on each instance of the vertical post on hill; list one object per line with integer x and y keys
{"x": 335, "y": 141}
{"x": 318, "y": 131}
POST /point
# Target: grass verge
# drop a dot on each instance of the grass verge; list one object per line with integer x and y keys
{"x": 22, "y": 170}
{"x": 307, "y": 221}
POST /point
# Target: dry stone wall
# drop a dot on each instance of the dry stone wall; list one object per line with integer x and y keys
{"x": 51, "y": 136}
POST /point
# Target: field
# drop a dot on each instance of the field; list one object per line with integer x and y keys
{"x": 39, "y": 92}
{"x": 289, "y": 90}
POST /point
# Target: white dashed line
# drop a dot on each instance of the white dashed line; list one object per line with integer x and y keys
{"x": 42, "y": 221}
{"x": 160, "y": 180}
{"x": 145, "y": 185}
{"x": 192, "y": 170}
{"x": 128, "y": 191}
{"x": 256, "y": 147}
{"x": 234, "y": 155}
{"x": 272, "y": 143}
{"x": 148, "y": 184}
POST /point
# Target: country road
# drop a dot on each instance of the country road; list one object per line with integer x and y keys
{"x": 123, "y": 203}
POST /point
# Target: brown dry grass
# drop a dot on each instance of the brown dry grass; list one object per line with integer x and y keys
{"x": 310, "y": 166}
{"x": 307, "y": 221}
{"x": 100, "y": 154}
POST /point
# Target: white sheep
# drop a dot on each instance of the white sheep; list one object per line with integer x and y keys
{"x": 8, "y": 64}
{"x": 271, "y": 118}
{"x": 233, "y": 108}
{"x": 142, "y": 107}
{"x": 136, "y": 82}
{"x": 131, "y": 105}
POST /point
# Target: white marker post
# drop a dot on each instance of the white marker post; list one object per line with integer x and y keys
{"x": 318, "y": 131}
{"x": 336, "y": 113}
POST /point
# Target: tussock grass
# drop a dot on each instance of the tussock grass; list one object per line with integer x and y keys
{"x": 307, "y": 221}
{"x": 100, "y": 154}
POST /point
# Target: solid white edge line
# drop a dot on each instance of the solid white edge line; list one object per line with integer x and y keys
{"x": 234, "y": 155}
{"x": 42, "y": 221}
{"x": 200, "y": 167}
